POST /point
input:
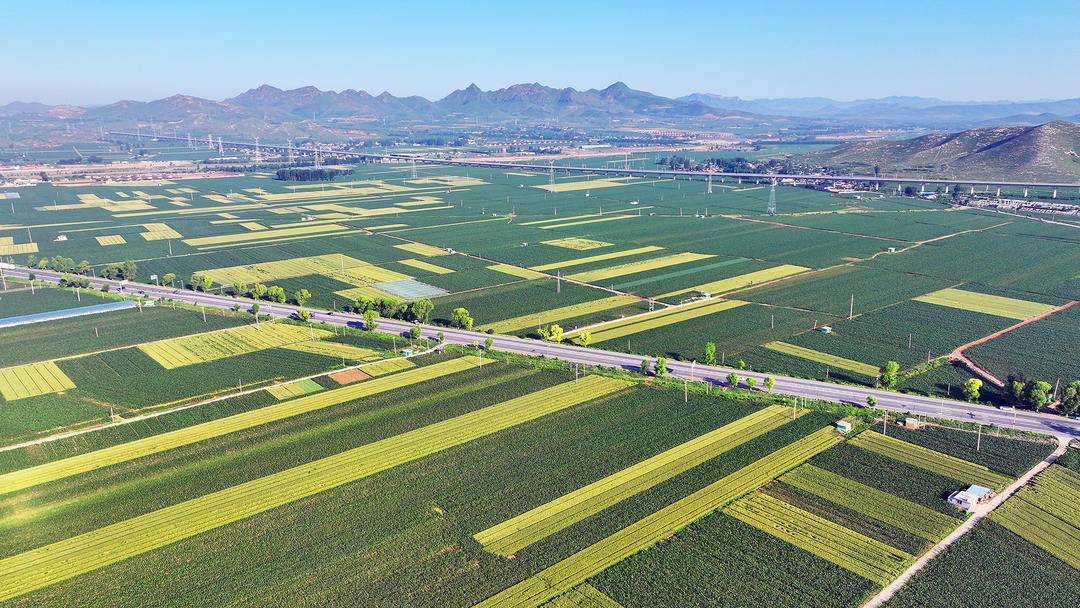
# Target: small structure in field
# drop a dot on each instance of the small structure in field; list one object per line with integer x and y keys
{"x": 912, "y": 423}
{"x": 970, "y": 498}
{"x": 843, "y": 426}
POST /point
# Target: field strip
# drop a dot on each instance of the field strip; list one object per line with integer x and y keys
{"x": 334, "y": 349}
{"x": 1010, "y": 308}
{"x": 422, "y": 265}
{"x": 558, "y": 314}
{"x": 865, "y": 556}
{"x": 582, "y": 185}
{"x": 262, "y": 235}
{"x": 387, "y": 366}
{"x": 517, "y": 271}
{"x": 921, "y": 521}
{"x": 62, "y": 560}
{"x": 740, "y": 281}
{"x": 340, "y": 267}
{"x": 577, "y": 243}
{"x": 595, "y": 220}
{"x": 296, "y": 388}
{"x": 421, "y": 249}
{"x": 824, "y": 358}
{"x": 657, "y": 318}
{"x": 1044, "y": 514}
{"x": 679, "y": 273}
{"x": 597, "y": 258}
{"x": 584, "y": 596}
{"x": 659, "y": 526}
{"x": 931, "y": 460}
{"x": 181, "y": 351}
{"x": 516, "y": 533}
{"x": 33, "y": 379}
{"x": 59, "y": 469}
{"x": 638, "y": 266}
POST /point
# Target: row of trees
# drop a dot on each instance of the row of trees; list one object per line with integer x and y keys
{"x": 127, "y": 270}
{"x": 311, "y": 174}
{"x": 418, "y": 311}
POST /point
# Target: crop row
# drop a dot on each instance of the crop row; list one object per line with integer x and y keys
{"x": 516, "y": 533}
{"x": 1041, "y": 528}
{"x": 558, "y": 314}
{"x": 82, "y": 463}
{"x": 865, "y": 556}
{"x": 621, "y": 270}
{"x": 931, "y": 460}
{"x": 893, "y": 510}
{"x": 87, "y": 552}
{"x": 658, "y": 526}
{"x": 832, "y": 361}
{"x": 211, "y": 346}
{"x": 32, "y": 379}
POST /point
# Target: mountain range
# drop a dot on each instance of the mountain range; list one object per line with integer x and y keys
{"x": 1049, "y": 151}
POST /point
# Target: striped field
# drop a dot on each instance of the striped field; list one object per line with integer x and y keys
{"x": 596, "y": 220}
{"x": 334, "y": 349}
{"x": 931, "y": 460}
{"x": 1045, "y": 514}
{"x": 833, "y": 361}
{"x": 921, "y": 521}
{"x": 421, "y": 249}
{"x": 425, "y": 266}
{"x": 1010, "y": 308}
{"x": 59, "y": 469}
{"x": 110, "y": 239}
{"x": 172, "y": 353}
{"x": 659, "y": 526}
{"x": 576, "y": 243}
{"x": 865, "y": 556}
{"x": 600, "y": 257}
{"x": 621, "y": 270}
{"x": 658, "y": 318}
{"x": 387, "y": 366}
{"x": 294, "y": 389}
{"x": 740, "y": 281}
{"x": 33, "y": 379}
{"x": 558, "y": 314}
{"x": 583, "y": 596}
{"x": 582, "y": 185}
{"x": 340, "y": 267}
{"x": 516, "y": 271}
{"x": 62, "y": 560}
{"x": 516, "y": 533}
{"x": 265, "y": 235}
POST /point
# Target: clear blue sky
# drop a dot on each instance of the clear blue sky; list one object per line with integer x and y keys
{"x": 97, "y": 52}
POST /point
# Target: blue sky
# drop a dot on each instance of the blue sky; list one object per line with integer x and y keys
{"x": 91, "y": 53}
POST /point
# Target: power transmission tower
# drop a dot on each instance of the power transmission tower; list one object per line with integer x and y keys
{"x": 771, "y": 210}
{"x": 708, "y": 189}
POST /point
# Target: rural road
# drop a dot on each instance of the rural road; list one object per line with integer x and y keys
{"x": 1049, "y": 424}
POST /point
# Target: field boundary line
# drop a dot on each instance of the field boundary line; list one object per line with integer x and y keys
{"x": 980, "y": 512}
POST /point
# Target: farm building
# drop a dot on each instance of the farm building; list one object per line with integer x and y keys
{"x": 971, "y": 497}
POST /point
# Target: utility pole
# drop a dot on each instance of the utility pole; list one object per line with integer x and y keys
{"x": 978, "y": 439}
{"x": 851, "y": 308}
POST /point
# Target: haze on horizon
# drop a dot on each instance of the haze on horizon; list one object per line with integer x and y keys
{"x": 74, "y": 53}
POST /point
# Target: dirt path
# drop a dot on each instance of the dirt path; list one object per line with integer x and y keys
{"x": 958, "y": 356}
{"x": 980, "y": 512}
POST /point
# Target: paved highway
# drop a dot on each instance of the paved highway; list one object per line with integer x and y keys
{"x": 812, "y": 389}
{"x": 466, "y": 162}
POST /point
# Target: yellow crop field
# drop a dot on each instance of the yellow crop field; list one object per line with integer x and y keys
{"x": 298, "y": 388}
{"x": 558, "y": 314}
{"x": 577, "y": 243}
{"x": 1044, "y": 513}
{"x": 265, "y": 235}
{"x": 33, "y": 379}
{"x": 658, "y": 318}
{"x": 7, "y": 240}
{"x": 386, "y": 226}
{"x": 172, "y": 353}
{"x": 622, "y": 270}
{"x": 584, "y": 596}
{"x": 87, "y": 552}
{"x": 340, "y": 267}
{"x": 582, "y": 185}
{"x": 425, "y": 266}
{"x": 421, "y": 249}
{"x": 360, "y": 190}
{"x": 110, "y": 239}
{"x": 659, "y": 526}
{"x": 600, "y": 257}
{"x": 1010, "y": 308}
{"x": 595, "y": 220}
{"x": 872, "y": 502}
{"x": 333, "y": 349}
{"x": 517, "y": 271}
{"x": 252, "y": 225}
{"x": 743, "y": 280}
{"x": 89, "y": 461}
{"x": 387, "y": 366}
{"x": 833, "y": 361}
{"x": 516, "y": 533}
{"x": 931, "y": 460}
{"x": 16, "y": 249}
{"x": 865, "y": 556}
{"x": 159, "y": 232}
